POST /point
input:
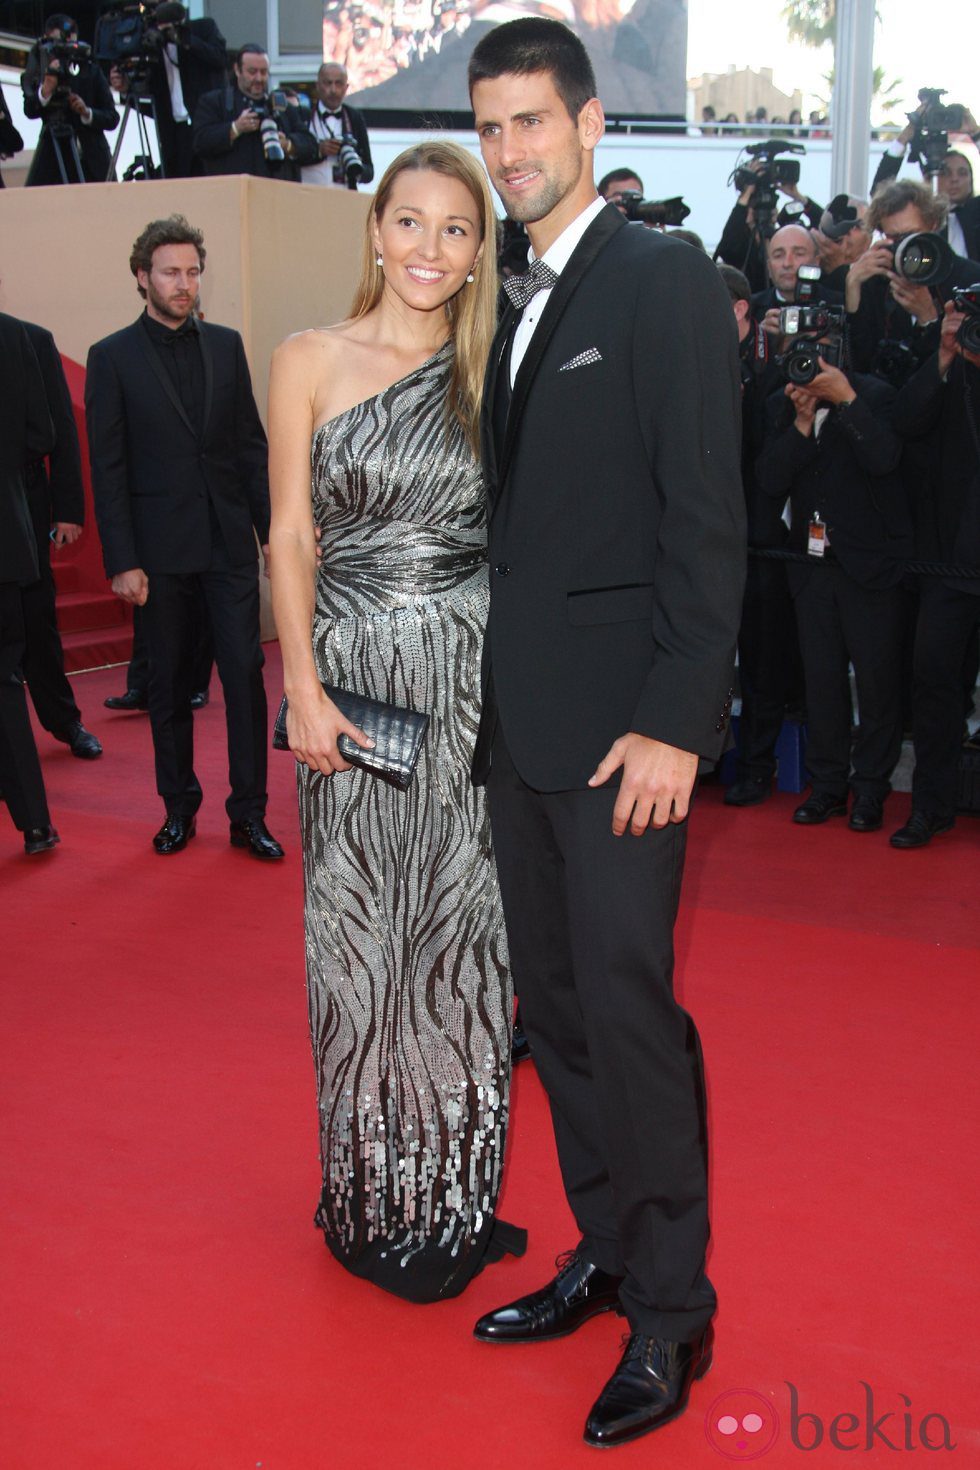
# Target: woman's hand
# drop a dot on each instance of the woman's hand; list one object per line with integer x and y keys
{"x": 313, "y": 723}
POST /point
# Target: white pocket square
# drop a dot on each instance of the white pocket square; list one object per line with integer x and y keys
{"x": 582, "y": 359}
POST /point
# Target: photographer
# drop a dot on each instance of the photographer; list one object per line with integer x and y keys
{"x": 893, "y": 321}
{"x": 927, "y": 137}
{"x": 11, "y": 141}
{"x": 833, "y": 451}
{"x": 754, "y": 217}
{"x": 619, "y": 181}
{"x": 65, "y": 88}
{"x": 941, "y": 406}
{"x": 187, "y": 60}
{"x": 242, "y": 130}
{"x": 842, "y": 238}
{"x": 337, "y": 127}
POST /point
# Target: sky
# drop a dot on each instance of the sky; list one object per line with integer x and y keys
{"x": 722, "y": 33}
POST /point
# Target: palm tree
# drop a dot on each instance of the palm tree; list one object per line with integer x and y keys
{"x": 812, "y": 22}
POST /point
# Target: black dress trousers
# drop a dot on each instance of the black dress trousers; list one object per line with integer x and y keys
{"x": 44, "y": 658}
{"x": 20, "y": 769}
{"x": 590, "y": 922}
{"x": 945, "y": 644}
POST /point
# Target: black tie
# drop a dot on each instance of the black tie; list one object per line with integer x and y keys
{"x": 522, "y": 289}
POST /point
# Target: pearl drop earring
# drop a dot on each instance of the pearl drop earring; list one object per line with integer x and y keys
{"x": 470, "y": 279}
{"x": 379, "y": 261}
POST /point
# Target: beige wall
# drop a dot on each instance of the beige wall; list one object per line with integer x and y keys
{"x": 280, "y": 257}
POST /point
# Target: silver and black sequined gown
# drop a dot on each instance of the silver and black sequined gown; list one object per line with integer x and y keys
{"x": 409, "y": 989}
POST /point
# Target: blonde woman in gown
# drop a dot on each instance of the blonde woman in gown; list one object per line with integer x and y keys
{"x": 409, "y": 990}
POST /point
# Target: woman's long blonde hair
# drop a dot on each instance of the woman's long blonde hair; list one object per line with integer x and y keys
{"x": 472, "y": 311}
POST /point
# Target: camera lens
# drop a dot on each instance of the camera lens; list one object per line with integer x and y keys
{"x": 924, "y": 259}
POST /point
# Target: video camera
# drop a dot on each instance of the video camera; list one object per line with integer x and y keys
{"x": 801, "y": 362}
{"x": 967, "y": 300}
{"x": 659, "y": 212}
{"x": 74, "y": 60}
{"x": 933, "y": 123}
{"x": 766, "y": 181}
{"x": 131, "y": 34}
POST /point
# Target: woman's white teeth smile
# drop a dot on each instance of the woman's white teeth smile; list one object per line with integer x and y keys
{"x": 419, "y": 273}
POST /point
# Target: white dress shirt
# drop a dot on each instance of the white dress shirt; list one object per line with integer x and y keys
{"x": 324, "y": 125}
{"x": 558, "y": 254}
{"x": 171, "y": 65}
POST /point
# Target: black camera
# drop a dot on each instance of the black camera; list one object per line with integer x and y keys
{"x": 801, "y": 362}
{"x": 766, "y": 181}
{"x": 270, "y": 109}
{"x": 349, "y": 161}
{"x": 660, "y": 212}
{"x": 924, "y": 259}
{"x": 894, "y": 361}
{"x": 967, "y": 300}
{"x": 130, "y": 34}
{"x": 933, "y": 124}
{"x": 67, "y": 61}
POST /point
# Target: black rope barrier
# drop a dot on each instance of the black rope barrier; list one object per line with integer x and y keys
{"x": 920, "y": 568}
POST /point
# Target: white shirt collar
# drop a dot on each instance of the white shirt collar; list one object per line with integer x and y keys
{"x": 560, "y": 251}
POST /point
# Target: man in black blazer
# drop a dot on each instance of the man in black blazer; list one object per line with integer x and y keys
{"x": 617, "y": 560}
{"x": 28, "y": 435}
{"x": 190, "y": 62}
{"x": 77, "y": 112}
{"x": 11, "y": 141}
{"x": 179, "y": 471}
{"x": 334, "y": 120}
{"x": 227, "y": 128}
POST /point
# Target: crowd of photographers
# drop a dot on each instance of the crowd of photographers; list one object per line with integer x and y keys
{"x": 192, "y": 115}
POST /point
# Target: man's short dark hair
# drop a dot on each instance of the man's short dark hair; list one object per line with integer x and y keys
{"x": 171, "y": 231}
{"x": 898, "y": 194}
{"x": 737, "y": 283}
{"x": 251, "y": 48}
{"x": 533, "y": 44}
{"x": 617, "y": 176}
{"x": 61, "y": 22}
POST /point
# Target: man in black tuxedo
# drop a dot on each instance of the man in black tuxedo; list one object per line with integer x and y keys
{"x": 11, "y": 141}
{"x": 190, "y": 62}
{"x": 179, "y": 470}
{"x": 333, "y": 121}
{"x": 791, "y": 247}
{"x": 227, "y": 128}
{"x": 617, "y": 556}
{"x": 77, "y": 112}
{"x": 57, "y": 506}
{"x": 28, "y": 434}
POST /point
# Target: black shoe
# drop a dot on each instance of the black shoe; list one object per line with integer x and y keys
{"x": 133, "y": 699}
{"x": 39, "y": 839}
{"x": 200, "y": 699}
{"x": 818, "y": 807}
{"x": 255, "y": 835}
{"x": 578, "y": 1292}
{"x": 175, "y": 834}
{"x": 749, "y": 791}
{"x": 920, "y": 828}
{"x": 650, "y": 1387}
{"x": 81, "y": 742}
{"x": 520, "y": 1047}
{"x": 866, "y": 814}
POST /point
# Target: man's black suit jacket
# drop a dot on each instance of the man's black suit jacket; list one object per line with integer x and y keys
{"x": 213, "y": 116}
{"x": 62, "y": 492}
{"x": 879, "y": 317}
{"x": 28, "y": 435}
{"x": 11, "y": 141}
{"x": 354, "y": 123}
{"x": 154, "y": 477}
{"x": 201, "y": 63}
{"x": 617, "y": 520}
{"x": 93, "y": 149}
{"x": 850, "y": 475}
{"x": 968, "y": 213}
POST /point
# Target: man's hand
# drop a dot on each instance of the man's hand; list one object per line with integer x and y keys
{"x": 329, "y": 147}
{"x": 806, "y": 409}
{"x": 132, "y": 586}
{"x": 878, "y": 261}
{"x": 246, "y": 122}
{"x": 770, "y": 322}
{"x": 831, "y": 386}
{"x": 65, "y": 532}
{"x": 657, "y": 782}
{"x": 917, "y": 300}
{"x": 948, "y": 345}
{"x": 79, "y": 106}
{"x": 286, "y": 144}
{"x": 266, "y": 559}
{"x": 118, "y": 81}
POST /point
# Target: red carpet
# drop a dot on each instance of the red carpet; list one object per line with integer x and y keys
{"x": 167, "y": 1302}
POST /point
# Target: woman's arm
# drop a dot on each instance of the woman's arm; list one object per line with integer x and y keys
{"x": 313, "y": 721}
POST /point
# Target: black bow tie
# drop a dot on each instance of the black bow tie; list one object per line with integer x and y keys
{"x": 522, "y": 289}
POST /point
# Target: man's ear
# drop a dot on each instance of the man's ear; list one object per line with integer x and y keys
{"x": 591, "y": 124}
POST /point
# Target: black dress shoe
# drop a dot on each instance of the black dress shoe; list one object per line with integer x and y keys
{"x": 818, "y": 807}
{"x": 920, "y": 828}
{"x": 749, "y": 791}
{"x": 520, "y": 1047}
{"x": 81, "y": 742}
{"x": 866, "y": 814}
{"x": 650, "y": 1387}
{"x": 133, "y": 699}
{"x": 175, "y": 834}
{"x": 39, "y": 839}
{"x": 255, "y": 835}
{"x": 578, "y": 1292}
{"x": 200, "y": 699}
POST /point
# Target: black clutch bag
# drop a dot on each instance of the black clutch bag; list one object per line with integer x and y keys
{"x": 397, "y": 734}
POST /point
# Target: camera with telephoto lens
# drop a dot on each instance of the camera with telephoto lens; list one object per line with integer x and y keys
{"x": 802, "y": 360}
{"x": 923, "y": 259}
{"x": 349, "y": 161}
{"x": 933, "y": 123}
{"x": 766, "y": 180}
{"x": 967, "y": 300}
{"x": 66, "y": 61}
{"x": 660, "y": 212}
{"x": 270, "y": 109}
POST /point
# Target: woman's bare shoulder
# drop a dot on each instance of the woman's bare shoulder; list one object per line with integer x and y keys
{"x": 313, "y": 345}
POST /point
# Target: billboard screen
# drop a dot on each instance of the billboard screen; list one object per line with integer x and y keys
{"x": 411, "y": 55}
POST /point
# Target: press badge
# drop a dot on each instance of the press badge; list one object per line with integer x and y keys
{"x": 816, "y": 543}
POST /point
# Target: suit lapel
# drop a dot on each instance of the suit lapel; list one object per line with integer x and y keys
{"x": 593, "y": 242}
{"x": 208, "y": 365}
{"x": 488, "y": 445}
{"x": 160, "y": 372}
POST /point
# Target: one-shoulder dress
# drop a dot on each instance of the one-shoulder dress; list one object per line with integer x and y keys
{"x": 409, "y": 988}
